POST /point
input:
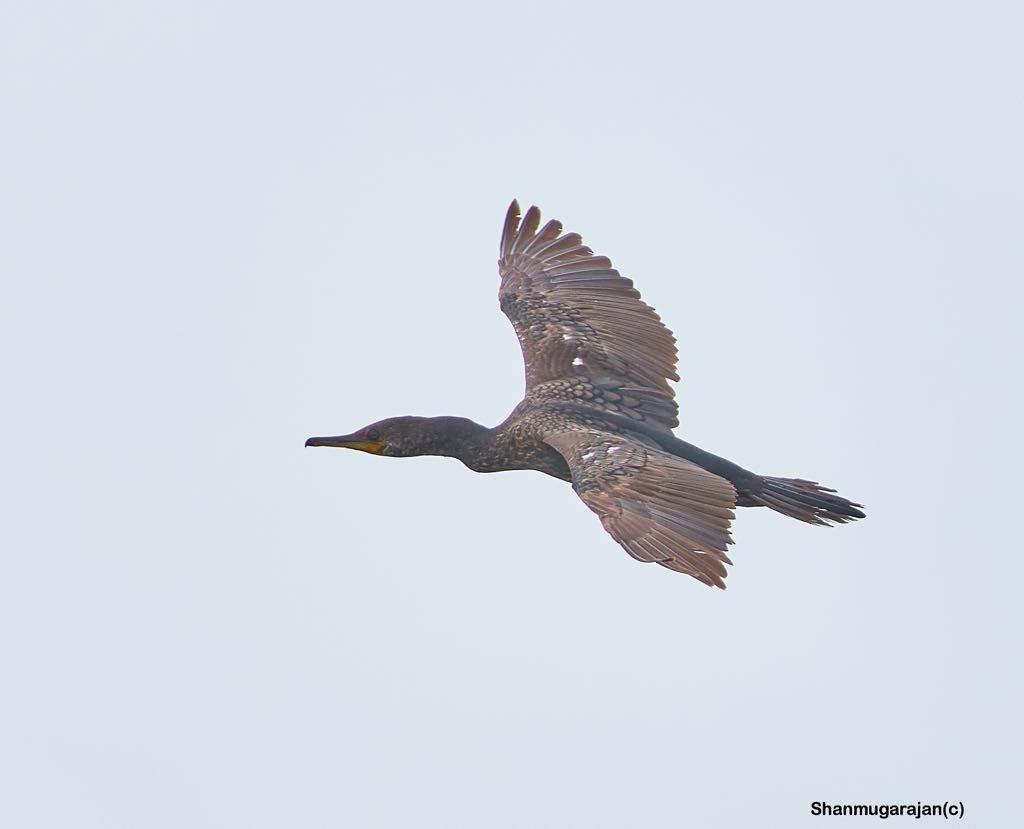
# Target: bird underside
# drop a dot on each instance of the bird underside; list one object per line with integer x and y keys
{"x": 660, "y": 508}
{"x": 667, "y": 509}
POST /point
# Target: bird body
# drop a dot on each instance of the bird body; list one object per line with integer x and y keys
{"x": 599, "y": 413}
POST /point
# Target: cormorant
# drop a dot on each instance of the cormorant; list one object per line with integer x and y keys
{"x": 599, "y": 413}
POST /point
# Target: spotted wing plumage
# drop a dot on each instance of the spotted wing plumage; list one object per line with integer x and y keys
{"x": 659, "y": 507}
{"x": 575, "y": 316}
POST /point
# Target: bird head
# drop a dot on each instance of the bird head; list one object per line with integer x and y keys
{"x": 406, "y": 437}
{"x": 398, "y": 437}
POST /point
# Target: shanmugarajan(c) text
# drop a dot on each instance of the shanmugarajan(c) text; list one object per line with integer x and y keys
{"x": 887, "y": 810}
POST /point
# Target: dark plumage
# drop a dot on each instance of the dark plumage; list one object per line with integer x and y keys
{"x": 599, "y": 411}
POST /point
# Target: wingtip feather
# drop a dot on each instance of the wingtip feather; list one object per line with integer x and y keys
{"x": 527, "y": 229}
{"x": 509, "y": 229}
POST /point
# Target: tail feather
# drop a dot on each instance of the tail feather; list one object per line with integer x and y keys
{"x": 806, "y": 500}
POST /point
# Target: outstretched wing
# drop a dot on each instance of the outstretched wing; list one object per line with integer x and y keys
{"x": 575, "y": 316}
{"x": 658, "y": 507}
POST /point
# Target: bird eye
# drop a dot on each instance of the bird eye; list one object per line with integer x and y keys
{"x": 373, "y": 434}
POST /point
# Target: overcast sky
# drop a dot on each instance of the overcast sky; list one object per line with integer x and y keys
{"x": 229, "y": 226}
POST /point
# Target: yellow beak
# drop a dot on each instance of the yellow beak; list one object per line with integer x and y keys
{"x": 374, "y": 447}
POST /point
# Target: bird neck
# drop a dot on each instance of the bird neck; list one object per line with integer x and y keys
{"x": 459, "y": 437}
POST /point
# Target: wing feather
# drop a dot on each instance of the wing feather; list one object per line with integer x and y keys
{"x": 576, "y": 316}
{"x": 659, "y": 507}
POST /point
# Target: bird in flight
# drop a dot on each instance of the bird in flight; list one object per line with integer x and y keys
{"x": 599, "y": 413}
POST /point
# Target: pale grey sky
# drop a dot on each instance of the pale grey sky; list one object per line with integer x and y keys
{"x": 229, "y": 226}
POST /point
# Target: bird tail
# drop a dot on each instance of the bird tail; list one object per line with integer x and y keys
{"x": 806, "y": 500}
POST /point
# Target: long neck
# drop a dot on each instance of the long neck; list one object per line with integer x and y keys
{"x": 459, "y": 437}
